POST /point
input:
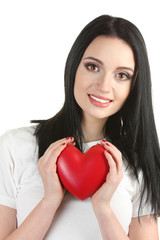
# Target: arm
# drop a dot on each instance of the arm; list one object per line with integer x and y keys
{"x": 146, "y": 229}
{"x": 108, "y": 223}
{"x": 7, "y": 221}
{"x": 36, "y": 225}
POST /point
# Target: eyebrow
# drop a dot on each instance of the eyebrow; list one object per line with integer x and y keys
{"x": 118, "y": 68}
{"x": 95, "y": 59}
{"x": 127, "y": 68}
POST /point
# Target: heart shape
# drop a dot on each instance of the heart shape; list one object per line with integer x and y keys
{"x": 82, "y": 174}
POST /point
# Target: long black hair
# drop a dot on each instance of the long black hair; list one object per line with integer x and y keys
{"x": 132, "y": 129}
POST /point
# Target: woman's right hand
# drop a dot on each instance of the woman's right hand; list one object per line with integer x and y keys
{"x": 54, "y": 191}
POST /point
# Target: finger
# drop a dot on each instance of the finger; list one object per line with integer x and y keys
{"x": 54, "y": 150}
{"x": 116, "y": 154}
{"x": 72, "y": 143}
{"x": 58, "y": 143}
{"x": 55, "y": 154}
{"x": 114, "y": 173}
{"x": 109, "y": 144}
{"x": 111, "y": 163}
{"x": 48, "y": 163}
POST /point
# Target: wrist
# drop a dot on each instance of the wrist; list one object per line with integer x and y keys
{"x": 51, "y": 202}
{"x": 102, "y": 209}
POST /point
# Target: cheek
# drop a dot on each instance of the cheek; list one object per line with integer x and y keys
{"x": 78, "y": 88}
{"x": 123, "y": 94}
{"x": 82, "y": 84}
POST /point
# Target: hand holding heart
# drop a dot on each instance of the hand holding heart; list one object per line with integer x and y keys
{"x": 105, "y": 172}
{"x": 48, "y": 171}
{"x": 104, "y": 194}
{"x": 87, "y": 174}
{"x": 82, "y": 174}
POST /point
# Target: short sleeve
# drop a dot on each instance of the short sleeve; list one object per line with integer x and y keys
{"x": 8, "y": 190}
{"x": 145, "y": 208}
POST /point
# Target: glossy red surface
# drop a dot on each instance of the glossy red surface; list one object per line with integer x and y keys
{"x": 82, "y": 174}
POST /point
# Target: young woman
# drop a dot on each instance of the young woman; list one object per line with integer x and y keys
{"x": 107, "y": 101}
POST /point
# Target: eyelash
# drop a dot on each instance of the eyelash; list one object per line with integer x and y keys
{"x": 89, "y": 65}
{"x": 127, "y": 76}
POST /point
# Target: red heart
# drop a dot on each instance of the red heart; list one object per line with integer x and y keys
{"x": 82, "y": 174}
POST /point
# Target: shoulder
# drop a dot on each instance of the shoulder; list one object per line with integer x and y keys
{"x": 18, "y": 158}
{"x": 18, "y": 135}
{"x": 19, "y": 142}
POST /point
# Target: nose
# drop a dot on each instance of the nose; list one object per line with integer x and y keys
{"x": 104, "y": 83}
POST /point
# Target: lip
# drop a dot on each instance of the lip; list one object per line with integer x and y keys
{"x": 99, "y": 104}
{"x": 100, "y": 97}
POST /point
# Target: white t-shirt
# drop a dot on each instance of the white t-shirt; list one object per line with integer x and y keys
{"x": 21, "y": 188}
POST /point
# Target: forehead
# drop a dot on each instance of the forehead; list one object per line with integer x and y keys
{"x": 111, "y": 49}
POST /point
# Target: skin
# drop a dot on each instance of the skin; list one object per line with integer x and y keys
{"x": 108, "y": 79}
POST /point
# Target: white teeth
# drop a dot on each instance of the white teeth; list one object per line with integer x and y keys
{"x": 99, "y": 100}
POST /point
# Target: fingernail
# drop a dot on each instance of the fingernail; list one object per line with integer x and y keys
{"x": 107, "y": 144}
{"x": 107, "y": 151}
{"x": 71, "y": 138}
{"x": 63, "y": 144}
{"x": 103, "y": 140}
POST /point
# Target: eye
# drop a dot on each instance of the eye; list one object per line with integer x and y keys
{"x": 92, "y": 67}
{"x": 123, "y": 76}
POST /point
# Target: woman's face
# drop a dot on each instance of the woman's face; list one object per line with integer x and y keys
{"x": 103, "y": 78}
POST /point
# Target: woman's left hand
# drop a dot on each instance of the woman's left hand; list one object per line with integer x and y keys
{"x": 104, "y": 194}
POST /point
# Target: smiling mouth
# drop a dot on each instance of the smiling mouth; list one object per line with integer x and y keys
{"x": 100, "y": 99}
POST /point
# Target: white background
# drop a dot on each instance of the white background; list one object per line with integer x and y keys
{"x": 35, "y": 38}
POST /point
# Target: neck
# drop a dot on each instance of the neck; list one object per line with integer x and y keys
{"x": 93, "y": 129}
